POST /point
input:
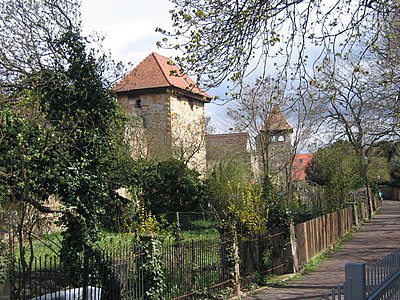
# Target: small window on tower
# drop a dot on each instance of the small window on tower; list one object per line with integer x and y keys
{"x": 138, "y": 103}
{"x": 281, "y": 138}
{"x": 191, "y": 103}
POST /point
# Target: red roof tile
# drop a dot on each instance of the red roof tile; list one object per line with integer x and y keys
{"x": 157, "y": 71}
{"x": 276, "y": 120}
{"x": 300, "y": 163}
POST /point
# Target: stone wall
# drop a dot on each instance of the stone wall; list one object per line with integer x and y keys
{"x": 166, "y": 125}
{"x": 188, "y": 131}
{"x": 149, "y": 128}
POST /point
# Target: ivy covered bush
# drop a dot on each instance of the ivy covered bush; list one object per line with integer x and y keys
{"x": 169, "y": 185}
{"x": 3, "y": 262}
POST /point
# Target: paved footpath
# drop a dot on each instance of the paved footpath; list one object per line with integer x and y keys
{"x": 374, "y": 240}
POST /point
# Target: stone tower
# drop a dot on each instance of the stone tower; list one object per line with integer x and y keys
{"x": 274, "y": 146}
{"x": 166, "y": 110}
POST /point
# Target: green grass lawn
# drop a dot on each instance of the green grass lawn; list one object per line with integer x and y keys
{"x": 50, "y": 245}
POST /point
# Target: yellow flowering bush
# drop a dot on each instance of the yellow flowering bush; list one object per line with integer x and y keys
{"x": 246, "y": 204}
{"x": 147, "y": 222}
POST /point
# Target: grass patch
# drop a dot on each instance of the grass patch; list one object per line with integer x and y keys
{"x": 200, "y": 234}
{"x": 50, "y": 245}
{"x": 314, "y": 263}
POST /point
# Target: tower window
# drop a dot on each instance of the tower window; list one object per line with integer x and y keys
{"x": 138, "y": 103}
{"x": 277, "y": 138}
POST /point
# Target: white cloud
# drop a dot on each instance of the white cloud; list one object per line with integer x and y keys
{"x": 128, "y": 25}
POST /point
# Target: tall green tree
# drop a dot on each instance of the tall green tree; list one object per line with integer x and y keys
{"x": 61, "y": 127}
{"x": 338, "y": 169}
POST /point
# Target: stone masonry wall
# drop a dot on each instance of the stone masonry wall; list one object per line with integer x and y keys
{"x": 188, "y": 131}
{"x": 173, "y": 126}
{"x": 152, "y": 112}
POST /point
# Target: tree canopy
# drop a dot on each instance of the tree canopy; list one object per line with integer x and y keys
{"x": 170, "y": 185}
{"x": 225, "y": 39}
{"x": 356, "y": 101}
{"x": 340, "y": 170}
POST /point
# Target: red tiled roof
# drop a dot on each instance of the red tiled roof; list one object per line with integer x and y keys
{"x": 234, "y": 145}
{"x": 157, "y": 71}
{"x": 276, "y": 120}
{"x": 300, "y": 163}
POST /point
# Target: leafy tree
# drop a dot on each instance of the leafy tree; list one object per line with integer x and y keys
{"x": 395, "y": 170}
{"x": 233, "y": 172}
{"x": 337, "y": 168}
{"x": 27, "y": 160}
{"x": 247, "y": 208}
{"x": 391, "y": 152}
{"x": 223, "y": 39}
{"x": 170, "y": 186}
{"x": 355, "y": 102}
{"x": 237, "y": 201}
{"x": 60, "y": 117}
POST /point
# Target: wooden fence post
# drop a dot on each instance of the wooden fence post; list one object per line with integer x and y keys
{"x": 235, "y": 252}
{"x": 293, "y": 243}
{"x": 355, "y": 213}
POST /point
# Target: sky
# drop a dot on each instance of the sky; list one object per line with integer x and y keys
{"x": 129, "y": 30}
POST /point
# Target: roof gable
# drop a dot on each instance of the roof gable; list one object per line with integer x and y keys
{"x": 227, "y": 145}
{"x": 300, "y": 163}
{"x": 157, "y": 71}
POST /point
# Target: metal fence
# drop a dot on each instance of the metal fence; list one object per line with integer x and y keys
{"x": 383, "y": 275}
{"x": 116, "y": 275}
{"x": 195, "y": 269}
{"x": 192, "y": 270}
{"x": 379, "y": 280}
{"x": 266, "y": 254}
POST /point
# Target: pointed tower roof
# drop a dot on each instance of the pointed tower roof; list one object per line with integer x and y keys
{"x": 159, "y": 72}
{"x": 276, "y": 121}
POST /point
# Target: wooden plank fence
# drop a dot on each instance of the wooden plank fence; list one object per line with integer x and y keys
{"x": 316, "y": 235}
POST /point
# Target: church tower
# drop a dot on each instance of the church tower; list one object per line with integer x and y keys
{"x": 274, "y": 146}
